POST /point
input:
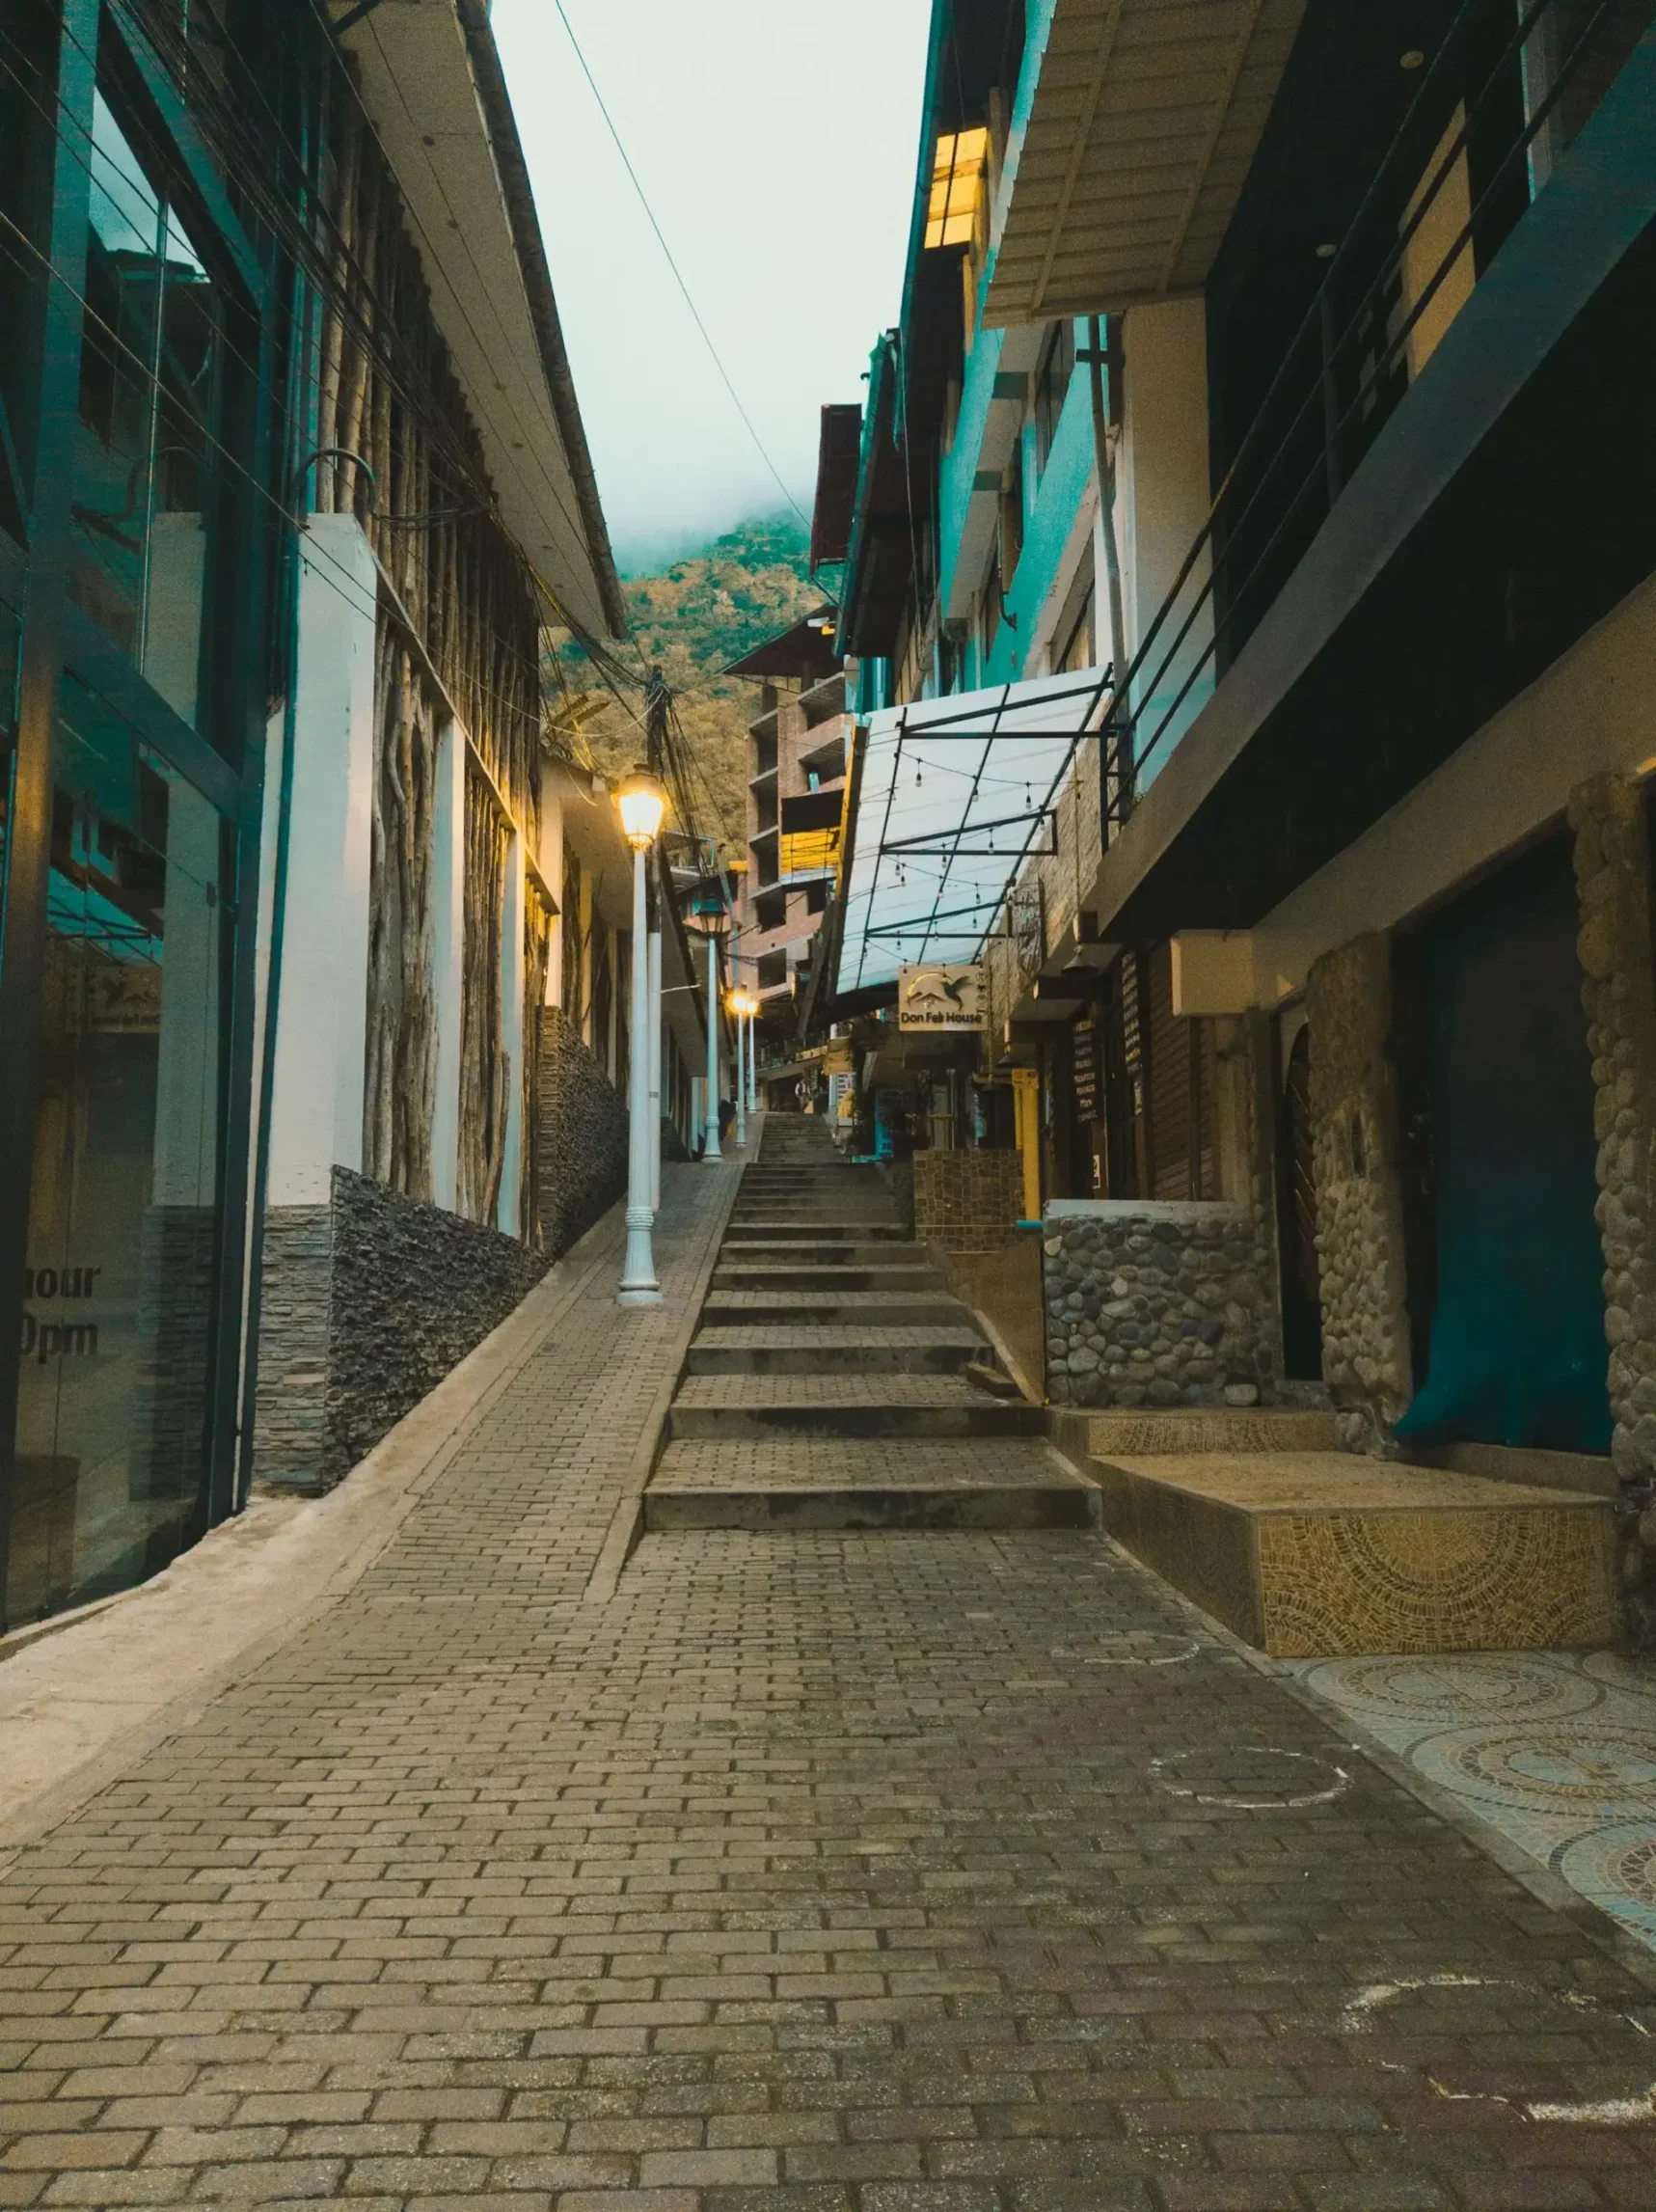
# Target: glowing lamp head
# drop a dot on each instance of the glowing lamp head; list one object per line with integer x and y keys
{"x": 642, "y": 804}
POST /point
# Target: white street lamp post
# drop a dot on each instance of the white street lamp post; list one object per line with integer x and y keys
{"x": 655, "y": 981}
{"x": 710, "y": 1150}
{"x": 738, "y": 1009}
{"x": 641, "y": 802}
{"x": 753, "y": 1056}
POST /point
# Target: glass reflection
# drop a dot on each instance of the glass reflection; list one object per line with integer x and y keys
{"x": 113, "y": 1399}
{"x": 149, "y": 408}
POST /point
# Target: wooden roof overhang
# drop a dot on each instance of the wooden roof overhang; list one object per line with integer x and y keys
{"x": 1145, "y": 119}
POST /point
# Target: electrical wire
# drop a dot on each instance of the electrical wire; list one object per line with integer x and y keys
{"x": 678, "y": 277}
{"x": 611, "y": 671}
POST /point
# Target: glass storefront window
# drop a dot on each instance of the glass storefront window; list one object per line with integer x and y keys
{"x": 27, "y": 93}
{"x": 151, "y": 363}
{"x": 113, "y": 1382}
{"x": 11, "y": 642}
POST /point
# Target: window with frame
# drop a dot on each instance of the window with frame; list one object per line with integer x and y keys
{"x": 1052, "y": 380}
{"x": 143, "y": 495}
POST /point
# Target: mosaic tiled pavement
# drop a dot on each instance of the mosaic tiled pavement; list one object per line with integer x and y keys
{"x": 886, "y": 1872}
{"x": 1555, "y": 1749}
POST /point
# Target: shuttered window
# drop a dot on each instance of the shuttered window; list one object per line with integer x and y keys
{"x": 1180, "y": 1052}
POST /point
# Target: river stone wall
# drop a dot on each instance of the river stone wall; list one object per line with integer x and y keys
{"x": 1366, "y": 1359}
{"x": 580, "y": 1135}
{"x": 367, "y": 1303}
{"x": 1618, "y": 995}
{"x": 1157, "y": 1304}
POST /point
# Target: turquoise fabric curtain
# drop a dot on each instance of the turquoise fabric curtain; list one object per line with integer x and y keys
{"x": 1518, "y": 1350}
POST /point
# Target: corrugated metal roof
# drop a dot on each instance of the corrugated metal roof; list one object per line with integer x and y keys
{"x": 1146, "y": 117}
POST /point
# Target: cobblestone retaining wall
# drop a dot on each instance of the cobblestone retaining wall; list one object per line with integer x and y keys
{"x": 1157, "y": 1304}
{"x": 367, "y": 1303}
{"x": 967, "y": 1201}
{"x": 580, "y": 1159}
{"x": 1618, "y": 994}
{"x": 1366, "y": 1359}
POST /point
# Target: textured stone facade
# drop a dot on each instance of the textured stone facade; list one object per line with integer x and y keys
{"x": 177, "y": 1277}
{"x": 367, "y": 1303}
{"x": 967, "y": 1201}
{"x": 1366, "y": 1359}
{"x": 1157, "y": 1304}
{"x": 290, "y": 1426}
{"x": 580, "y": 1135}
{"x": 1618, "y": 994}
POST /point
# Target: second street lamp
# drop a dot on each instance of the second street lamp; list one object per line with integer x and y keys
{"x": 736, "y": 1006}
{"x": 641, "y": 804}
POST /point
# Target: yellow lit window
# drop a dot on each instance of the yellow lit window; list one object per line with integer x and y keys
{"x": 957, "y": 183}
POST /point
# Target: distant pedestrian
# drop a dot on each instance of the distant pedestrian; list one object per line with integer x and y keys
{"x": 726, "y": 1116}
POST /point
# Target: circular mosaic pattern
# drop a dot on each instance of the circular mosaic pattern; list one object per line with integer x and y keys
{"x": 1617, "y": 1868}
{"x": 1443, "y": 1690}
{"x": 1621, "y": 1672}
{"x": 1548, "y": 1770}
{"x": 1251, "y": 1778}
{"x": 1144, "y": 1648}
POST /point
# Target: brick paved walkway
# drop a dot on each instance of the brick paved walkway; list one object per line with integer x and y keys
{"x": 886, "y": 1872}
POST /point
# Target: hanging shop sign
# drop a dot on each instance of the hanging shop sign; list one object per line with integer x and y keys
{"x": 1084, "y": 1068}
{"x": 938, "y": 997}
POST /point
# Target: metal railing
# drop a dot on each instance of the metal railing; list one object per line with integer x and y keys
{"x": 1347, "y": 364}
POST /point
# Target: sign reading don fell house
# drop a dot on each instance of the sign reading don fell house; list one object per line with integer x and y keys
{"x": 936, "y": 996}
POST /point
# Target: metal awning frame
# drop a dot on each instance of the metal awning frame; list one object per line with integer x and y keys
{"x": 977, "y": 918}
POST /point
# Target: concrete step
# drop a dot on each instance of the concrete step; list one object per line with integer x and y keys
{"x": 805, "y": 1251}
{"x": 796, "y": 1351}
{"x": 845, "y": 1406}
{"x": 900, "y": 1309}
{"x": 1312, "y": 1554}
{"x": 1185, "y": 1429}
{"x": 844, "y": 1280}
{"x": 816, "y": 1482}
{"x": 763, "y": 1229}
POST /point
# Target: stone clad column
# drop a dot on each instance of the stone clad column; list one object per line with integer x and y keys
{"x": 1618, "y": 995}
{"x": 1366, "y": 1359}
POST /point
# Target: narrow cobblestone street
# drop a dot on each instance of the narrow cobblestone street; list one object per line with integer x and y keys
{"x": 918, "y": 1870}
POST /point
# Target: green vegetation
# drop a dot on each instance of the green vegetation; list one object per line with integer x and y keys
{"x": 691, "y": 621}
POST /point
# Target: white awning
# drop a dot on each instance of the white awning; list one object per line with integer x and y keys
{"x": 956, "y": 793}
{"x": 1146, "y": 118}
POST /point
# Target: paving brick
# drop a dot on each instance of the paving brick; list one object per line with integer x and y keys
{"x": 806, "y": 1871}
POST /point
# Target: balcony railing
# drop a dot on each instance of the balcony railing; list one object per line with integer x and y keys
{"x": 1404, "y": 267}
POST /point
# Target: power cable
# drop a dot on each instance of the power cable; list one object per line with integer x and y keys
{"x": 678, "y": 277}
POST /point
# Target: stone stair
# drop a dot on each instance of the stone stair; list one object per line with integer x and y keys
{"x": 834, "y": 1382}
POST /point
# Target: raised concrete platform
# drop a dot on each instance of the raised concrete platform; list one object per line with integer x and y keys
{"x": 1106, "y": 1434}
{"x": 1324, "y": 1553}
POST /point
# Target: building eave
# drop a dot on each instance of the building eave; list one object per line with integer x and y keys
{"x": 435, "y": 92}
{"x": 1142, "y": 124}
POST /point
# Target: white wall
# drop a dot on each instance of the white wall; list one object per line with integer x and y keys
{"x": 552, "y": 870}
{"x": 509, "y": 1209}
{"x": 447, "y": 958}
{"x": 1163, "y": 497}
{"x": 1593, "y": 712}
{"x": 316, "y": 1110}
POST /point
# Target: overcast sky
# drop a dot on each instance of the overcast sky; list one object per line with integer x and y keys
{"x": 776, "y": 142}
